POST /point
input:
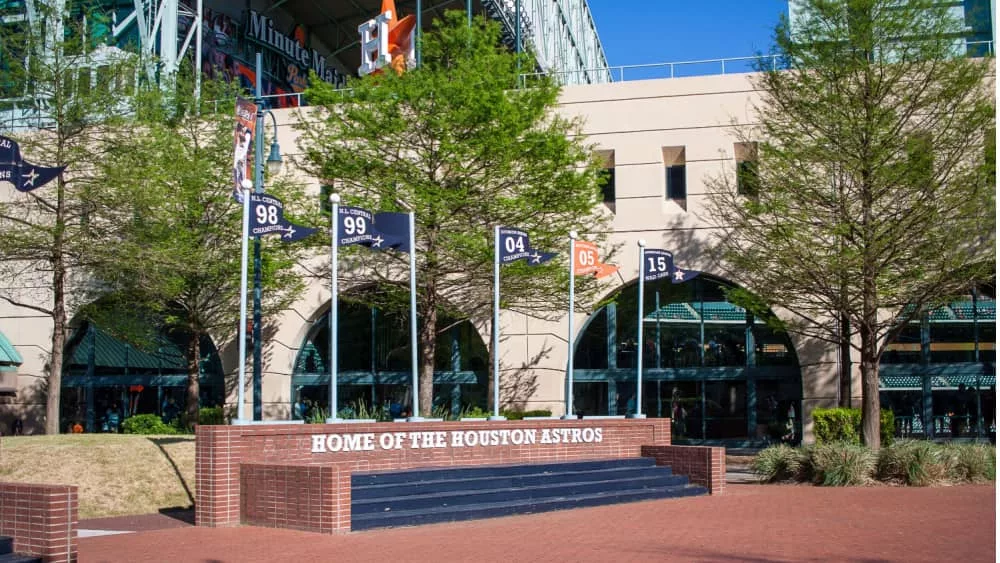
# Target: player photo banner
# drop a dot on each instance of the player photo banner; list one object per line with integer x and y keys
{"x": 243, "y": 136}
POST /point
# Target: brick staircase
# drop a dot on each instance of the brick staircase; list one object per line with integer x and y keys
{"x": 407, "y": 498}
{"x": 7, "y": 554}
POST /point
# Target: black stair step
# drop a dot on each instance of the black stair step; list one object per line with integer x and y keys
{"x": 444, "y": 483}
{"x": 555, "y": 489}
{"x": 6, "y": 545}
{"x": 529, "y": 506}
{"x": 362, "y": 479}
{"x": 18, "y": 558}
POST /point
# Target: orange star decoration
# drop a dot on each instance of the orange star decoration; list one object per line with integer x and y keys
{"x": 400, "y": 36}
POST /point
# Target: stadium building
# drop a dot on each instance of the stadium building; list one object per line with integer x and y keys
{"x": 663, "y": 132}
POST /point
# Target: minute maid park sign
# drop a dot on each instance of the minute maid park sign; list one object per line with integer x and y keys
{"x": 385, "y": 40}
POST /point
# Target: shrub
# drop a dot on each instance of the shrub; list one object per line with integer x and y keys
{"x": 914, "y": 462}
{"x": 211, "y": 415}
{"x": 777, "y": 463}
{"x": 146, "y": 424}
{"x": 520, "y": 415}
{"x": 474, "y": 412}
{"x": 841, "y": 464}
{"x": 844, "y": 425}
{"x": 972, "y": 463}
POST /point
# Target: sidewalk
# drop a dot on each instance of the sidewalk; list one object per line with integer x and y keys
{"x": 756, "y": 523}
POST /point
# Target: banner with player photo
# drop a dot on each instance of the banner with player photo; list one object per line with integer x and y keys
{"x": 243, "y": 138}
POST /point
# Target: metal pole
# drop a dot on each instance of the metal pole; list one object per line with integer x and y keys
{"x": 979, "y": 368}
{"x": 468, "y": 11}
{"x": 334, "y": 220}
{"x": 517, "y": 26}
{"x": 258, "y": 165}
{"x": 419, "y": 38}
{"x": 496, "y": 325}
{"x": 241, "y": 399}
{"x": 638, "y": 351}
{"x": 569, "y": 338}
{"x": 659, "y": 355}
{"x": 415, "y": 415}
{"x": 197, "y": 54}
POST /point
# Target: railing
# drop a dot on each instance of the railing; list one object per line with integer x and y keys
{"x": 943, "y": 426}
{"x": 707, "y": 67}
{"x": 679, "y": 69}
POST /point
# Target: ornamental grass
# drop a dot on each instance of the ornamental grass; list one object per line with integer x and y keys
{"x": 915, "y": 463}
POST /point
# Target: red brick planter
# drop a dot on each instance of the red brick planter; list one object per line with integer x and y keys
{"x": 298, "y": 476}
{"x": 42, "y": 519}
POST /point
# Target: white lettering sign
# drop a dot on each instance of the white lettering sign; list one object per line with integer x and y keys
{"x": 374, "y": 44}
{"x": 366, "y": 442}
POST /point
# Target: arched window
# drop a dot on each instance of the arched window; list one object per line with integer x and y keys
{"x": 707, "y": 363}
{"x": 373, "y": 373}
{"x": 109, "y": 376}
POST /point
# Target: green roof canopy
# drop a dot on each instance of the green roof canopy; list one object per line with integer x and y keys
{"x": 9, "y": 358}
{"x": 110, "y": 352}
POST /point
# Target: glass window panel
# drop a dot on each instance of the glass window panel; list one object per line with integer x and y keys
{"x": 725, "y": 409}
{"x": 676, "y": 182}
{"x": 905, "y": 348}
{"x": 592, "y": 345}
{"x": 952, "y": 342}
{"x": 987, "y": 342}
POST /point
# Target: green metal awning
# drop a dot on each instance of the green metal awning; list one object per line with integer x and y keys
{"x": 9, "y": 358}
{"x": 111, "y": 352}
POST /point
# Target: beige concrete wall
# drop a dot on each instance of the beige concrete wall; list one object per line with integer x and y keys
{"x": 634, "y": 119}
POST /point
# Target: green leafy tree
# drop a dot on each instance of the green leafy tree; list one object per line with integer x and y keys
{"x": 460, "y": 144}
{"x": 168, "y": 198}
{"x": 63, "y": 89}
{"x": 871, "y": 201}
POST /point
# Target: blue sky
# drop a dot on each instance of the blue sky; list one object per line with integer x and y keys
{"x": 656, "y": 31}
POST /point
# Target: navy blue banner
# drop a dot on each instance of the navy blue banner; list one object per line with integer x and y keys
{"x": 394, "y": 231}
{"x": 267, "y": 217}
{"x": 354, "y": 226}
{"x": 515, "y": 245}
{"x": 660, "y": 264}
{"x": 380, "y": 231}
{"x": 24, "y": 175}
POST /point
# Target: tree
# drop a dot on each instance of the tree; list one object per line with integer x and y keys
{"x": 872, "y": 201}
{"x": 67, "y": 88}
{"x": 178, "y": 228}
{"x": 460, "y": 144}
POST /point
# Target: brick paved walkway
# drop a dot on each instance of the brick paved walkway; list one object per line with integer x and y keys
{"x": 754, "y": 523}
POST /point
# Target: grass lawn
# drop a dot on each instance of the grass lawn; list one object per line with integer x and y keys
{"x": 116, "y": 473}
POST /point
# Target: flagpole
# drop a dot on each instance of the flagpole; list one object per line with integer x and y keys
{"x": 569, "y": 338}
{"x": 638, "y": 351}
{"x": 415, "y": 415}
{"x": 240, "y": 394}
{"x": 496, "y": 325}
{"x": 334, "y": 220}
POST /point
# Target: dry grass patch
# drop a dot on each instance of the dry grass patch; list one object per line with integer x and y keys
{"x": 116, "y": 474}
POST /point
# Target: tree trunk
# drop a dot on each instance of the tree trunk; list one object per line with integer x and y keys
{"x": 845, "y": 361}
{"x": 428, "y": 345}
{"x": 193, "y": 386}
{"x": 53, "y": 396}
{"x": 869, "y": 400}
{"x": 869, "y": 368}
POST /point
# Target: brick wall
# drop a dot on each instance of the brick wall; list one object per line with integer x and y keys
{"x": 42, "y": 519}
{"x": 222, "y": 450}
{"x": 314, "y": 498}
{"x": 702, "y": 465}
